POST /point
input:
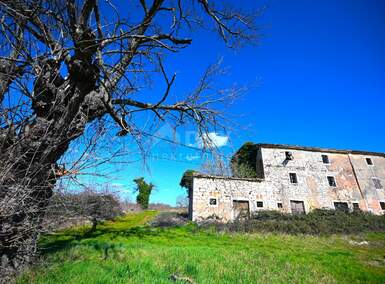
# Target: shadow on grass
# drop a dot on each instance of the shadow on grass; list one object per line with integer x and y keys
{"x": 71, "y": 238}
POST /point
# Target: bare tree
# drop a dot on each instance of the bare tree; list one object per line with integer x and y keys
{"x": 66, "y": 64}
{"x": 98, "y": 206}
{"x": 182, "y": 201}
{"x": 93, "y": 203}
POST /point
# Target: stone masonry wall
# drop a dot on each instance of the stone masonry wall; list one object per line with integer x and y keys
{"x": 353, "y": 178}
{"x": 312, "y": 187}
{"x": 225, "y": 191}
{"x": 365, "y": 174}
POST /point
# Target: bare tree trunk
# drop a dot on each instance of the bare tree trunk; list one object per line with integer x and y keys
{"x": 28, "y": 158}
{"x": 25, "y": 190}
{"x": 20, "y": 225}
{"x": 94, "y": 224}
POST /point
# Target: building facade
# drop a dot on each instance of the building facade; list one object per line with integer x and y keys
{"x": 293, "y": 179}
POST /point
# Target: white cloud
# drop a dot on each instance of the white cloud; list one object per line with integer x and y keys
{"x": 213, "y": 139}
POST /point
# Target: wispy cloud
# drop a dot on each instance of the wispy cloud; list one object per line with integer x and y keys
{"x": 213, "y": 139}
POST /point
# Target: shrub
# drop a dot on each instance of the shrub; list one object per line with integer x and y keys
{"x": 243, "y": 163}
{"x": 317, "y": 222}
{"x": 186, "y": 180}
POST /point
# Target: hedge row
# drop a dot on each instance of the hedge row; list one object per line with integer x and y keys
{"x": 317, "y": 222}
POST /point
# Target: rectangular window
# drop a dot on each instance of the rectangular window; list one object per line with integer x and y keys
{"x": 279, "y": 205}
{"x": 325, "y": 159}
{"x": 356, "y": 206}
{"x": 259, "y": 204}
{"x": 213, "y": 201}
{"x": 369, "y": 161}
{"x": 382, "y": 204}
{"x": 343, "y": 206}
{"x": 377, "y": 183}
{"x": 332, "y": 181}
{"x": 293, "y": 178}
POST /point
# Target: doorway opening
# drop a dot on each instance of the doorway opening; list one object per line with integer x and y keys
{"x": 241, "y": 209}
{"x": 297, "y": 207}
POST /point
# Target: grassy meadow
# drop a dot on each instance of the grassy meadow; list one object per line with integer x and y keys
{"x": 128, "y": 251}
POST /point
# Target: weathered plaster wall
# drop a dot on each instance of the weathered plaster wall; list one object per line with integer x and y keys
{"x": 312, "y": 188}
{"x": 352, "y": 174}
{"x": 365, "y": 174}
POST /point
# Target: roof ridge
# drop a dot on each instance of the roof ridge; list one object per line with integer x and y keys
{"x": 318, "y": 149}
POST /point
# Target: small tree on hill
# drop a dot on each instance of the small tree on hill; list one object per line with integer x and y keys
{"x": 144, "y": 191}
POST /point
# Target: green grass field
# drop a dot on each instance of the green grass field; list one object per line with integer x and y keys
{"x": 128, "y": 251}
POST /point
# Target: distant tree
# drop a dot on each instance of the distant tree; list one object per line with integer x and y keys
{"x": 91, "y": 204}
{"x": 98, "y": 206}
{"x": 182, "y": 201}
{"x": 144, "y": 191}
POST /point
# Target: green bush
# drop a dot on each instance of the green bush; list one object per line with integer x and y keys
{"x": 317, "y": 222}
{"x": 144, "y": 190}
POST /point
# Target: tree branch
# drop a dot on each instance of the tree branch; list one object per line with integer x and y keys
{"x": 86, "y": 11}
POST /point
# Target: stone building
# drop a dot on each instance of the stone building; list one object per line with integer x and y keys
{"x": 292, "y": 179}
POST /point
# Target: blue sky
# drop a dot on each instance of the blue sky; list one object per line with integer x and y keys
{"x": 320, "y": 73}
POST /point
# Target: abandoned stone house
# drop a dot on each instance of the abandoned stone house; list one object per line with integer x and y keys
{"x": 291, "y": 179}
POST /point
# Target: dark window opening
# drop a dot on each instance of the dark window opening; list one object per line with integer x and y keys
{"x": 343, "y": 206}
{"x": 289, "y": 155}
{"x": 382, "y": 204}
{"x": 259, "y": 204}
{"x": 293, "y": 178}
{"x": 369, "y": 161}
{"x": 213, "y": 201}
{"x": 279, "y": 205}
{"x": 332, "y": 181}
{"x": 325, "y": 159}
{"x": 377, "y": 183}
{"x": 356, "y": 207}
